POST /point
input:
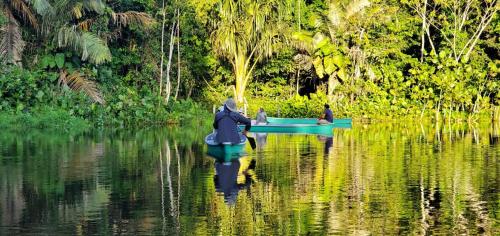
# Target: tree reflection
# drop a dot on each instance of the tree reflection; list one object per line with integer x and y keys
{"x": 379, "y": 179}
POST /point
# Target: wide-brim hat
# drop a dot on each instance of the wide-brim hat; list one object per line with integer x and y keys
{"x": 231, "y": 105}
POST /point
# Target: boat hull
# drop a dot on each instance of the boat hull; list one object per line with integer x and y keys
{"x": 326, "y": 129}
{"x": 337, "y": 123}
{"x": 225, "y": 152}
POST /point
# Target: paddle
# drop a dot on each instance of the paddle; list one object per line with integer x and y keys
{"x": 251, "y": 140}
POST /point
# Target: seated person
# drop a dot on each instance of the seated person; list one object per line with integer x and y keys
{"x": 261, "y": 118}
{"x": 327, "y": 116}
{"x": 226, "y": 123}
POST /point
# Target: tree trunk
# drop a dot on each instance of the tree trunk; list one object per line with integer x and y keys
{"x": 422, "y": 35}
{"x": 298, "y": 80}
{"x": 240, "y": 91}
{"x": 162, "y": 47}
{"x": 168, "y": 85}
{"x": 189, "y": 92}
{"x": 240, "y": 73}
{"x": 178, "y": 56}
{"x": 333, "y": 82}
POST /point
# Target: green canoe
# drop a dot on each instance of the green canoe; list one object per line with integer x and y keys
{"x": 326, "y": 129}
{"x": 225, "y": 152}
{"x": 338, "y": 123}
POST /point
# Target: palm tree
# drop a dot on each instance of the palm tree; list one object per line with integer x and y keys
{"x": 11, "y": 43}
{"x": 67, "y": 23}
{"x": 245, "y": 33}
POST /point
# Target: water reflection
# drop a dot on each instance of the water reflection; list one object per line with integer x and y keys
{"x": 328, "y": 143}
{"x": 380, "y": 179}
{"x": 261, "y": 140}
{"x": 231, "y": 177}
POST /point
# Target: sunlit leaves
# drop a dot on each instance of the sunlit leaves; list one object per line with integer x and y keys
{"x": 330, "y": 65}
{"x": 318, "y": 65}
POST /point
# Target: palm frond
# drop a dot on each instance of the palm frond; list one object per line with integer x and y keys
{"x": 356, "y": 6}
{"x": 85, "y": 25}
{"x": 91, "y": 47}
{"x": 97, "y": 6}
{"x": 78, "y": 82}
{"x": 132, "y": 17}
{"x": 77, "y": 10}
{"x": 42, "y": 7}
{"x": 334, "y": 14}
{"x": 11, "y": 42}
{"x": 303, "y": 40}
{"x": 24, "y": 10}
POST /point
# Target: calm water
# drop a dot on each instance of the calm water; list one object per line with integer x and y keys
{"x": 371, "y": 179}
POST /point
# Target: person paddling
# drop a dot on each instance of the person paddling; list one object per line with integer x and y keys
{"x": 327, "y": 116}
{"x": 226, "y": 123}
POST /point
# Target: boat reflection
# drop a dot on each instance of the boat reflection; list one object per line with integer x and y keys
{"x": 231, "y": 177}
{"x": 222, "y": 155}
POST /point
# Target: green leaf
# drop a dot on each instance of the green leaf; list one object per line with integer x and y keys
{"x": 53, "y": 77}
{"x": 319, "y": 41}
{"x": 329, "y": 63}
{"x": 339, "y": 60}
{"x": 318, "y": 65}
{"x": 442, "y": 54}
{"x": 39, "y": 95}
{"x": 327, "y": 49}
{"x": 46, "y": 61}
{"x": 59, "y": 59}
{"x": 342, "y": 74}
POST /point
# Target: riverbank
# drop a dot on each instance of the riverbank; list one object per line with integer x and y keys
{"x": 61, "y": 119}
{"x": 195, "y": 114}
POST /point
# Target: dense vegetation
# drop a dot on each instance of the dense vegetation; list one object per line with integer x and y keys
{"x": 152, "y": 61}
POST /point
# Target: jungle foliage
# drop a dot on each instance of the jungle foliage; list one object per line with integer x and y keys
{"x": 121, "y": 61}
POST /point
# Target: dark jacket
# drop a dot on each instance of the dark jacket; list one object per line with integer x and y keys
{"x": 329, "y": 115}
{"x": 226, "y": 123}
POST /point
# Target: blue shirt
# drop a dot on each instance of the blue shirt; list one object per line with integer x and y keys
{"x": 226, "y": 123}
{"x": 329, "y": 115}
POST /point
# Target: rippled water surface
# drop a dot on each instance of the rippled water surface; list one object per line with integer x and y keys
{"x": 379, "y": 179}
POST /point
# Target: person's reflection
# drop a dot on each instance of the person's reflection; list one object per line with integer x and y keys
{"x": 231, "y": 177}
{"x": 261, "y": 139}
{"x": 328, "y": 143}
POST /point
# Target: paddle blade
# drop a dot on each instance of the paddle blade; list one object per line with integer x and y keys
{"x": 251, "y": 140}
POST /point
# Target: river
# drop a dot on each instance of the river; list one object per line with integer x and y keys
{"x": 378, "y": 179}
